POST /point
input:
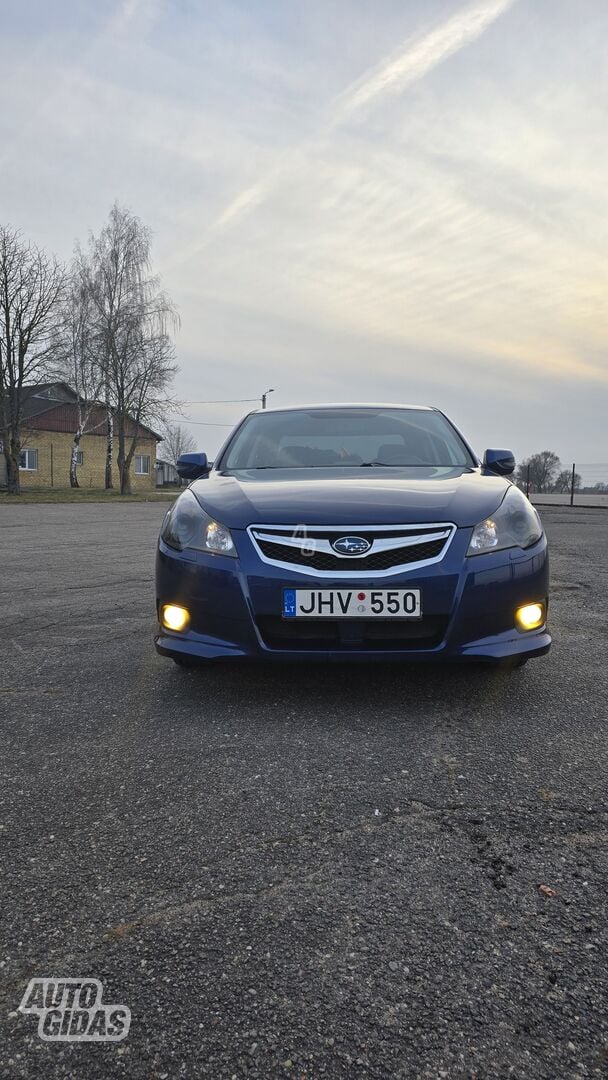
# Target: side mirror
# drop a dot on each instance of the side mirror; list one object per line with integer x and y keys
{"x": 191, "y": 466}
{"x": 499, "y": 461}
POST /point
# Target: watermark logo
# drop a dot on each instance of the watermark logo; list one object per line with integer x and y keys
{"x": 71, "y": 1010}
{"x": 307, "y": 544}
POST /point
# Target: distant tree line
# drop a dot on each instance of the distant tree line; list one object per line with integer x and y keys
{"x": 103, "y": 324}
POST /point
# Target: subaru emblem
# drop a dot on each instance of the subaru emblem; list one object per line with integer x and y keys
{"x": 351, "y": 545}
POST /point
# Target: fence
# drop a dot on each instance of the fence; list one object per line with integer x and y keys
{"x": 576, "y": 485}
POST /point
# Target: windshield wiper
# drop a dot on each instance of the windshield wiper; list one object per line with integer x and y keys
{"x": 393, "y": 465}
{"x": 410, "y": 465}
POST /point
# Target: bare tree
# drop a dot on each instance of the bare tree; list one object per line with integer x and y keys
{"x": 80, "y": 362}
{"x": 564, "y": 483}
{"x": 31, "y": 290}
{"x": 177, "y": 440}
{"x": 133, "y": 319}
{"x": 540, "y": 470}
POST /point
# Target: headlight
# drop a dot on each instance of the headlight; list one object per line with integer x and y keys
{"x": 186, "y": 525}
{"x": 515, "y": 524}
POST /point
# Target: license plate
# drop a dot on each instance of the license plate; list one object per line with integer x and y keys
{"x": 352, "y": 603}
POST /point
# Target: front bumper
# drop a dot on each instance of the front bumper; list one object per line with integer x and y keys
{"x": 468, "y": 609}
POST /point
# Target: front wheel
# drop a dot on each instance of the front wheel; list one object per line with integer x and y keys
{"x": 186, "y": 661}
{"x": 511, "y": 663}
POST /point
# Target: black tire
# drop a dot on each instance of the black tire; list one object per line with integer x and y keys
{"x": 512, "y": 663}
{"x": 186, "y": 661}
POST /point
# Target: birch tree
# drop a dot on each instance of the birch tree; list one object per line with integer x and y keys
{"x": 32, "y": 286}
{"x": 133, "y": 318}
{"x": 81, "y": 362}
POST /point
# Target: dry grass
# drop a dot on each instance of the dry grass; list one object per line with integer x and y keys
{"x": 82, "y": 495}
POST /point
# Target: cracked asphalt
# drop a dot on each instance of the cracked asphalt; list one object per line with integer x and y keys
{"x": 297, "y": 873}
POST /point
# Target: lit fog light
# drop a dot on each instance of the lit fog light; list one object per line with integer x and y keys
{"x": 530, "y": 616}
{"x": 174, "y": 617}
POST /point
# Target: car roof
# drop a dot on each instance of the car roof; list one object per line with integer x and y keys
{"x": 316, "y": 406}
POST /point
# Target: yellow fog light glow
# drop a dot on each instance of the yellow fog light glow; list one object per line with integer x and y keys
{"x": 174, "y": 617}
{"x": 530, "y": 616}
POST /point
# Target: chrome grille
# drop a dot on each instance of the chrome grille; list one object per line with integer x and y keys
{"x": 392, "y": 549}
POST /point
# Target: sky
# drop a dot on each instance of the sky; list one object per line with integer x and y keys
{"x": 397, "y": 201}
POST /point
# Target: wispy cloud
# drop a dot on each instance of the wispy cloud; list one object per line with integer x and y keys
{"x": 419, "y": 55}
{"x": 248, "y": 199}
{"x": 415, "y": 58}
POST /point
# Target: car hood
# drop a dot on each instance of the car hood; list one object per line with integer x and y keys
{"x": 350, "y": 496}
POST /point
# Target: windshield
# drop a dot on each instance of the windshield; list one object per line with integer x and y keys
{"x": 335, "y": 438}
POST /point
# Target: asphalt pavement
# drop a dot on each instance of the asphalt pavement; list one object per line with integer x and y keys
{"x": 297, "y": 872}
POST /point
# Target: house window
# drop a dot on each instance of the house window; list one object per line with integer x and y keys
{"x": 142, "y": 464}
{"x": 80, "y": 457}
{"x": 28, "y": 460}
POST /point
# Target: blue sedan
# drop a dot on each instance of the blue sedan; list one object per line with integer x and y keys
{"x": 351, "y": 532}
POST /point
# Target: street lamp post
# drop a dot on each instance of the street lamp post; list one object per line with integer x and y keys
{"x": 264, "y": 396}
